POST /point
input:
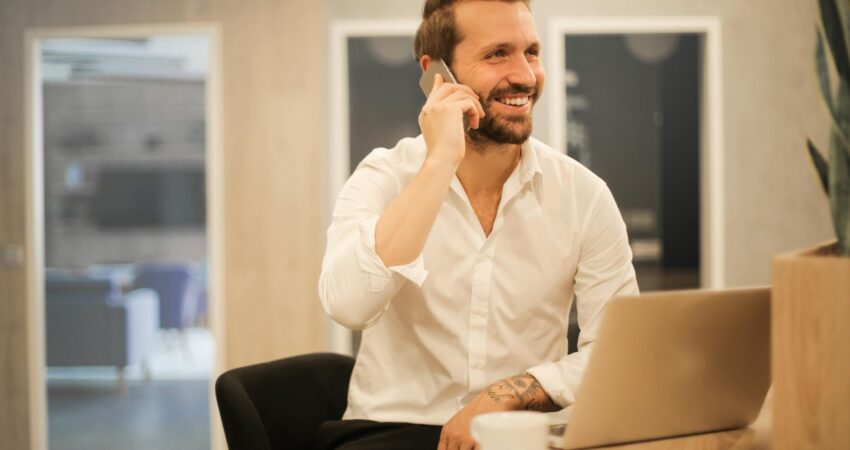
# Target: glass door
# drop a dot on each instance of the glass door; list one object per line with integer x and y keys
{"x": 128, "y": 350}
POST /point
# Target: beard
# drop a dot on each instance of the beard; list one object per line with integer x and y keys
{"x": 503, "y": 129}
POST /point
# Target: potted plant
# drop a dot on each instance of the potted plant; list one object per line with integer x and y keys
{"x": 811, "y": 288}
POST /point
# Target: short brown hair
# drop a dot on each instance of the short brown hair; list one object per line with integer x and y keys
{"x": 438, "y": 35}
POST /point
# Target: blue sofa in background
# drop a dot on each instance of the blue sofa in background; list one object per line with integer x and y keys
{"x": 90, "y": 322}
{"x": 174, "y": 283}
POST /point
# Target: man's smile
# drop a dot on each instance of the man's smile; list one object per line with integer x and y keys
{"x": 513, "y": 99}
{"x": 515, "y": 102}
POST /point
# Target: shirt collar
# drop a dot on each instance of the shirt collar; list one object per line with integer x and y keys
{"x": 528, "y": 167}
{"x": 528, "y": 163}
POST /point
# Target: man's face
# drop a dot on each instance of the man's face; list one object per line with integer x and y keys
{"x": 499, "y": 58}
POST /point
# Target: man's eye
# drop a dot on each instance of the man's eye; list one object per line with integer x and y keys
{"x": 496, "y": 54}
{"x": 533, "y": 51}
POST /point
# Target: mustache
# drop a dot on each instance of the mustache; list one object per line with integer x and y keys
{"x": 513, "y": 89}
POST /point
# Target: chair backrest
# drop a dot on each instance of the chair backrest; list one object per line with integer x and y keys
{"x": 172, "y": 283}
{"x": 279, "y": 405}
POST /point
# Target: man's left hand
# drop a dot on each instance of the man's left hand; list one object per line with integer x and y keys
{"x": 521, "y": 392}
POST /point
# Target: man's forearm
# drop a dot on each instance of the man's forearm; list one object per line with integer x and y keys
{"x": 521, "y": 392}
{"x": 404, "y": 226}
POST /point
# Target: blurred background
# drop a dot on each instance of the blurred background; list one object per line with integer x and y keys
{"x": 128, "y": 346}
{"x": 167, "y": 172}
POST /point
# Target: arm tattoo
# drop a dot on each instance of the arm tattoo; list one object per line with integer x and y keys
{"x": 501, "y": 391}
{"x": 524, "y": 390}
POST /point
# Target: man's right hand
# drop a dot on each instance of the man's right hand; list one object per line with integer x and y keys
{"x": 441, "y": 120}
{"x": 403, "y": 228}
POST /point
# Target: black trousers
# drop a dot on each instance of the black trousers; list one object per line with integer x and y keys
{"x": 369, "y": 435}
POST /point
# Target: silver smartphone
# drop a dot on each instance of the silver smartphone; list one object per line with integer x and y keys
{"x": 426, "y": 81}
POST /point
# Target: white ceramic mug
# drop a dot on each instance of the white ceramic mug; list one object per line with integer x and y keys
{"x": 512, "y": 430}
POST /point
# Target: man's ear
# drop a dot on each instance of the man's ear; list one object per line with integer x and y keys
{"x": 424, "y": 62}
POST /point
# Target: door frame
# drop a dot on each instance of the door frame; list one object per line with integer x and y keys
{"x": 34, "y": 201}
{"x": 711, "y": 158}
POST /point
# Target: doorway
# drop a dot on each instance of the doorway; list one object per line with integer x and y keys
{"x": 125, "y": 200}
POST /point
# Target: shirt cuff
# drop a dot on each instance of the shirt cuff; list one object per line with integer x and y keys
{"x": 379, "y": 274}
{"x": 548, "y": 375}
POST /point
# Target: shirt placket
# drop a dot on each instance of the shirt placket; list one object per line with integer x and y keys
{"x": 478, "y": 313}
{"x": 479, "y": 309}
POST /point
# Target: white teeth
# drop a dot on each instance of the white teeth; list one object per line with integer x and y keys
{"x": 514, "y": 101}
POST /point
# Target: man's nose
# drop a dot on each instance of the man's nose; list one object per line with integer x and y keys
{"x": 522, "y": 73}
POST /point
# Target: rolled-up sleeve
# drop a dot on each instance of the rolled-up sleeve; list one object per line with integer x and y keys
{"x": 355, "y": 287}
{"x": 604, "y": 271}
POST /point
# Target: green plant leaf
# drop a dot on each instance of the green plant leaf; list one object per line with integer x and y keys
{"x": 839, "y": 197}
{"x": 834, "y": 30}
{"x": 823, "y": 74}
{"x": 825, "y": 89}
{"x": 820, "y": 164}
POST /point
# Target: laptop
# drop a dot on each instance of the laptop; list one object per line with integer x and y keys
{"x": 674, "y": 363}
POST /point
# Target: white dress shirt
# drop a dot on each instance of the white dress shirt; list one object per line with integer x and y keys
{"x": 473, "y": 309}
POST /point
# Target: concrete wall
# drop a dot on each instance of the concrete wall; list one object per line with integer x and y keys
{"x": 158, "y": 127}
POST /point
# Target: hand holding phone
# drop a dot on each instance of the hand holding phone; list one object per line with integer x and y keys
{"x": 448, "y": 113}
{"x": 426, "y": 82}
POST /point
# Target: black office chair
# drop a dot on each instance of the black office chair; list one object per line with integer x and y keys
{"x": 279, "y": 405}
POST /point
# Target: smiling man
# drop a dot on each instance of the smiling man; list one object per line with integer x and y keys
{"x": 459, "y": 253}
